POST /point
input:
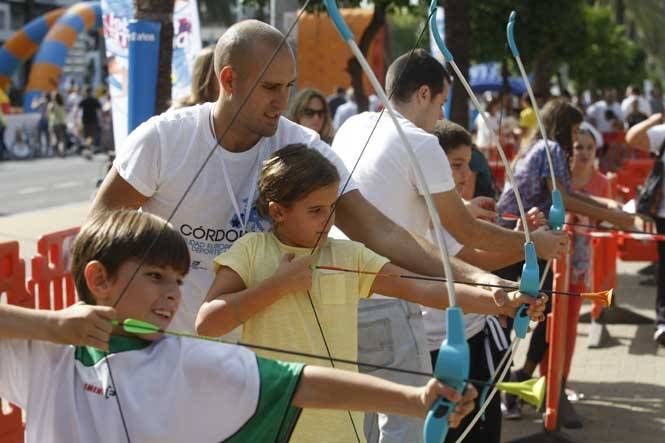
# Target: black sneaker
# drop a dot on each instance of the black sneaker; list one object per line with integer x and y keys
{"x": 567, "y": 414}
{"x": 511, "y": 405}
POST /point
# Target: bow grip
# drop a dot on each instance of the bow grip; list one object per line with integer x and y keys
{"x": 511, "y": 34}
{"x": 452, "y": 369}
{"x": 447, "y": 55}
{"x": 529, "y": 284}
{"x": 557, "y": 213}
{"x": 336, "y": 17}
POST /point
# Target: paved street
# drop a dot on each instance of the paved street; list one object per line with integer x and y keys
{"x": 29, "y": 185}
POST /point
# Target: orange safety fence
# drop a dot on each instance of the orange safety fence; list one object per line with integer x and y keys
{"x": 632, "y": 174}
{"x": 50, "y": 287}
{"x": 51, "y": 282}
{"x": 633, "y": 249}
{"x": 556, "y": 337}
{"x": 12, "y": 284}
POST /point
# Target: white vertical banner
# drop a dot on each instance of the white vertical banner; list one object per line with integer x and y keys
{"x": 186, "y": 46}
{"x": 116, "y": 15}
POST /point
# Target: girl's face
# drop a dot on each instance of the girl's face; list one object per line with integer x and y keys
{"x": 459, "y": 159}
{"x": 304, "y": 221}
{"x": 584, "y": 151}
{"x": 313, "y": 114}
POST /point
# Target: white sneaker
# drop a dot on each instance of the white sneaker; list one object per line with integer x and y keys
{"x": 659, "y": 336}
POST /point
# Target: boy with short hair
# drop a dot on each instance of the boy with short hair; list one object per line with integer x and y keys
{"x": 155, "y": 388}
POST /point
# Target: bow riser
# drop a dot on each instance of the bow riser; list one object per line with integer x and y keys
{"x": 452, "y": 369}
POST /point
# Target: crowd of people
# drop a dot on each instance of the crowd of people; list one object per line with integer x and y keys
{"x": 252, "y": 197}
{"x": 71, "y": 121}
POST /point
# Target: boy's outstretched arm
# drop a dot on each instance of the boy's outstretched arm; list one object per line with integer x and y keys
{"x": 79, "y": 324}
{"x": 328, "y": 388}
{"x": 470, "y": 298}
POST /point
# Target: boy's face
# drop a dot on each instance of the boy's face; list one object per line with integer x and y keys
{"x": 153, "y": 295}
{"x": 302, "y": 223}
{"x": 459, "y": 159}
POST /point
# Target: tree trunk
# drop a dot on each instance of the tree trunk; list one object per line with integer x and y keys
{"x": 160, "y": 11}
{"x": 458, "y": 40}
{"x": 542, "y": 72}
{"x": 353, "y": 67}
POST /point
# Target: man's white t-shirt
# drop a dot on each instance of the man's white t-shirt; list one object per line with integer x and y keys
{"x": 161, "y": 158}
{"x": 656, "y": 136}
{"x": 385, "y": 175}
{"x": 597, "y": 112}
{"x": 170, "y": 390}
{"x": 483, "y": 132}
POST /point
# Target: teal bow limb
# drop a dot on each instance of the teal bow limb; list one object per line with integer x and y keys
{"x": 557, "y": 212}
{"x": 436, "y": 423}
{"x": 452, "y": 369}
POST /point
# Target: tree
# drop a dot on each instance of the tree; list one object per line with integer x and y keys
{"x": 160, "y": 11}
{"x": 381, "y": 9}
{"x": 543, "y": 33}
{"x": 609, "y": 58}
{"x": 458, "y": 40}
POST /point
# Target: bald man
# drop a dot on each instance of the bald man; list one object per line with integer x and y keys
{"x": 162, "y": 157}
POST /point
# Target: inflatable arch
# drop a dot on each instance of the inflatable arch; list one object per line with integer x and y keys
{"x": 24, "y": 43}
{"x": 52, "y": 54}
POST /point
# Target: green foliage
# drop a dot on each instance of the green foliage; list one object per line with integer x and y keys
{"x": 608, "y": 58}
{"x": 405, "y": 27}
{"x": 554, "y": 27}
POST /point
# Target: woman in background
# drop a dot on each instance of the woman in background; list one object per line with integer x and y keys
{"x": 310, "y": 109}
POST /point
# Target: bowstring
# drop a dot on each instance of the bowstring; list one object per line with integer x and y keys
{"x": 334, "y": 207}
{"x": 143, "y": 259}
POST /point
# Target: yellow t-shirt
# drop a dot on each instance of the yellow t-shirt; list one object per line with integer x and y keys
{"x": 289, "y": 323}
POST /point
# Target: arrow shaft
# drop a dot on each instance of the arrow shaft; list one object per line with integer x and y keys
{"x": 442, "y": 279}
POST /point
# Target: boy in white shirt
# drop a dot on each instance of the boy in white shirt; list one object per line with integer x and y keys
{"x": 155, "y": 388}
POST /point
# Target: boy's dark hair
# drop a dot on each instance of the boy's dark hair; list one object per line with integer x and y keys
{"x": 113, "y": 237}
{"x": 290, "y": 174}
{"x": 451, "y": 135}
{"x": 411, "y": 71}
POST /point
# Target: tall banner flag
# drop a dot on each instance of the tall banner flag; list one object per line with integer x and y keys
{"x": 186, "y": 45}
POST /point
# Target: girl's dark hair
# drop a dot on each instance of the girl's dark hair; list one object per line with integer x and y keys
{"x": 113, "y": 237}
{"x": 559, "y": 117}
{"x": 298, "y": 105}
{"x": 292, "y": 173}
{"x": 451, "y": 135}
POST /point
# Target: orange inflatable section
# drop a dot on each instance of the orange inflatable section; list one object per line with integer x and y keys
{"x": 322, "y": 55}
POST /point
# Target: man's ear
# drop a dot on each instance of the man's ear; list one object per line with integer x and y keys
{"x": 226, "y": 79}
{"x": 423, "y": 94}
{"x": 276, "y": 212}
{"x": 98, "y": 281}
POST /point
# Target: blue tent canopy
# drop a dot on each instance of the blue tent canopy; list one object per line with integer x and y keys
{"x": 487, "y": 77}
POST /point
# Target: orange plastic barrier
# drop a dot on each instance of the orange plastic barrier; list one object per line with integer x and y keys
{"x": 603, "y": 261}
{"x": 632, "y": 174}
{"x": 51, "y": 282}
{"x": 556, "y": 337}
{"x": 12, "y": 283}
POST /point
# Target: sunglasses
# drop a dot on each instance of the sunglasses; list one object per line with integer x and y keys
{"x": 309, "y": 112}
